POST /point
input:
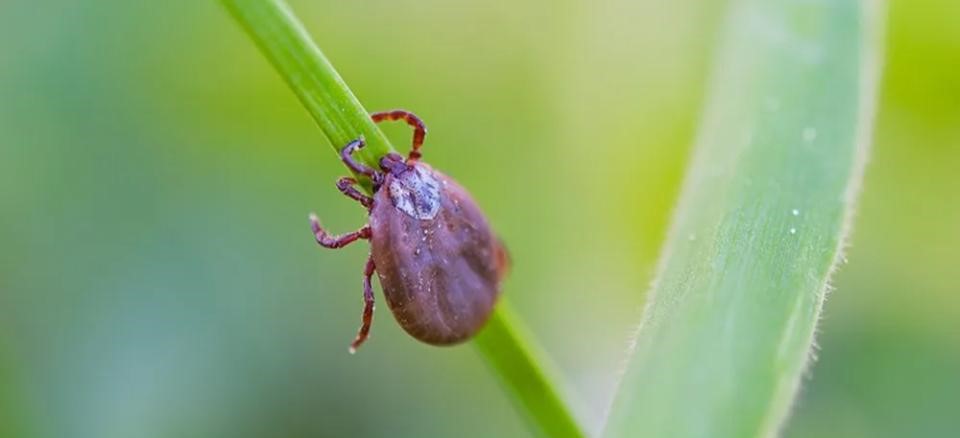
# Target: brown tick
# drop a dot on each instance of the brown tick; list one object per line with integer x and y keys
{"x": 439, "y": 263}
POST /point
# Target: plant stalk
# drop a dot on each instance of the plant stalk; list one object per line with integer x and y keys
{"x": 502, "y": 343}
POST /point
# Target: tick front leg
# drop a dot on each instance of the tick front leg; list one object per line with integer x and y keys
{"x": 367, "y": 318}
{"x": 419, "y": 128}
{"x": 346, "y": 185}
{"x": 346, "y": 155}
{"x": 334, "y": 242}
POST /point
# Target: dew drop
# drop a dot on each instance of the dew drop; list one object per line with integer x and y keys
{"x": 793, "y": 231}
{"x": 795, "y": 212}
{"x": 809, "y": 134}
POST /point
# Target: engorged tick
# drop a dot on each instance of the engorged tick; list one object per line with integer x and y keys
{"x": 439, "y": 263}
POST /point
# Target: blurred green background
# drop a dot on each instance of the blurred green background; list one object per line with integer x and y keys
{"x": 158, "y": 277}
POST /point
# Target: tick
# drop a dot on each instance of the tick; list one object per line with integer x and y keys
{"x": 439, "y": 263}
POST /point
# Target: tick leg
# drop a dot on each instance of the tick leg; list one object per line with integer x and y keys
{"x": 346, "y": 185}
{"x": 334, "y": 242}
{"x": 346, "y": 154}
{"x": 367, "y": 318}
{"x": 419, "y": 129}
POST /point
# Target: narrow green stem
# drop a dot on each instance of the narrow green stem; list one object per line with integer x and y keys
{"x": 502, "y": 343}
{"x": 524, "y": 372}
{"x": 288, "y": 46}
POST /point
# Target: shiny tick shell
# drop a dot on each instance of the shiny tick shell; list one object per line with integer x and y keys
{"x": 438, "y": 261}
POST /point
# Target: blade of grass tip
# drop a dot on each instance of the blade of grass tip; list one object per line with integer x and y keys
{"x": 503, "y": 344}
{"x": 729, "y": 326}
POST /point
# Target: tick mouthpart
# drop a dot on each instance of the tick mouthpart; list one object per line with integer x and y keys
{"x": 394, "y": 163}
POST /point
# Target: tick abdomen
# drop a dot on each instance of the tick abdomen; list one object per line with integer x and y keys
{"x": 435, "y": 255}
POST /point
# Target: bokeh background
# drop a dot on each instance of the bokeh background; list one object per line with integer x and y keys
{"x": 158, "y": 278}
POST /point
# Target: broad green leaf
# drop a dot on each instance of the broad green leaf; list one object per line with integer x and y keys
{"x": 766, "y": 205}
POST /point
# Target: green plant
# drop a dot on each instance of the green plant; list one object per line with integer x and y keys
{"x": 758, "y": 231}
{"x": 503, "y": 343}
{"x": 766, "y": 206}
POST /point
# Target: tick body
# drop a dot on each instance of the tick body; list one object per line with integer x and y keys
{"x": 439, "y": 263}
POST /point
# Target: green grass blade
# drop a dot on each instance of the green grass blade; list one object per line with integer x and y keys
{"x": 288, "y": 46}
{"x": 525, "y": 374}
{"x": 502, "y": 343}
{"x": 765, "y": 208}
